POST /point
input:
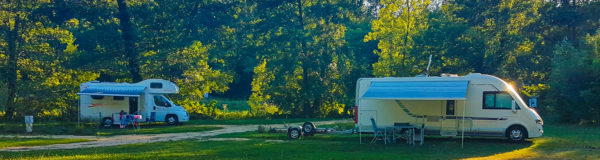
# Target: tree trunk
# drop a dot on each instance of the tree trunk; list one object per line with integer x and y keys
{"x": 129, "y": 42}
{"x": 304, "y": 58}
{"x": 403, "y": 68}
{"x": 11, "y": 69}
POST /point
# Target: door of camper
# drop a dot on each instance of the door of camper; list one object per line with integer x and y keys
{"x": 161, "y": 107}
{"x": 133, "y": 105}
{"x": 449, "y": 121}
{"x": 364, "y": 119}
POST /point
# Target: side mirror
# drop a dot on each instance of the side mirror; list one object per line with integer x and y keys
{"x": 514, "y": 106}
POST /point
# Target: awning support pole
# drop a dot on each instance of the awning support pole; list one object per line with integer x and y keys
{"x": 79, "y": 110}
{"x": 462, "y": 141}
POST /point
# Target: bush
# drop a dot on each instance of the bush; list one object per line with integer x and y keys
{"x": 261, "y": 129}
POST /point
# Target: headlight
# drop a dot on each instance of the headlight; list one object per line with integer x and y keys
{"x": 540, "y": 122}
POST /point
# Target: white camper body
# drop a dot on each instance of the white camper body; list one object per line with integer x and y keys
{"x": 104, "y": 100}
{"x": 475, "y": 104}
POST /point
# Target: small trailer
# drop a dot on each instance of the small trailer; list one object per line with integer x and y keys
{"x": 108, "y": 101}
{"x": 307, "y": 129}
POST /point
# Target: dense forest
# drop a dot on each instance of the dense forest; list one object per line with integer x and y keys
{"x": 294, "y": 58}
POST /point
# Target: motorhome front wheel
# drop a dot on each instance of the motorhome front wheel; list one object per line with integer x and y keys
{"x": 516, "y": 134}
{"x": 171, "y": 120}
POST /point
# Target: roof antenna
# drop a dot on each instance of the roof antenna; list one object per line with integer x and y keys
{"x": 428, "y": 65}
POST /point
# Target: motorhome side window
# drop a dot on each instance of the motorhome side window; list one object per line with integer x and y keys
{"x": 161, "y": 101}
{"x": 97, "y": 97}
{"x": 497, "y": 100}
{"x": 156, "y": 85}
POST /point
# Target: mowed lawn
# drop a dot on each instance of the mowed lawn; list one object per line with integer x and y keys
{"x": 19, "y": 142}
{"x": 559, "y": 142}
{"x": 93, "y": 128}
{"x": 57, "y": 128}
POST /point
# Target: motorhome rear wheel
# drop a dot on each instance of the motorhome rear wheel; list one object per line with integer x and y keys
{"x": 107, "y": 122}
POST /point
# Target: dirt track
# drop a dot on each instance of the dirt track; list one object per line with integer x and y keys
{"x": 100, "y": 141}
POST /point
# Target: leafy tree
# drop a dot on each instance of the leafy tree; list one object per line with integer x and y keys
{"x": 574, "y": 82}
{"x": 258, "y": 101}
{"x": 308, "y": 54}
{"x": 398, "y": 22}
{"x": 194, "y": 74}
{"x": 38, "y": 79}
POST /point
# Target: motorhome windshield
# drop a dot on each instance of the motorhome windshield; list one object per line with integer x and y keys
{"x": 161, "y": 101}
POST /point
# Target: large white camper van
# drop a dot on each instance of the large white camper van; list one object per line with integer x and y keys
{"x": 449, "y": 105}
{"x": 105, "y": 100}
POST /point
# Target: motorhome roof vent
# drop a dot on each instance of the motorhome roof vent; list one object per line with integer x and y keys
{"x": 448, "y": 75}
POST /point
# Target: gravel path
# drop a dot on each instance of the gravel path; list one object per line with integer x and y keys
{"x": 98, "y": 141}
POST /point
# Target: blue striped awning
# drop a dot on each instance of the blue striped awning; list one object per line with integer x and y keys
{"x": 128, "y": 91}
{"x": 417, "y": 90}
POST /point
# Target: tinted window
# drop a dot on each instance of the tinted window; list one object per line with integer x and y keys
{"x": 489, "y": 100}
{"x": 97, "y": 97}
{"x": 503, "y": 101}
{"x": 118, "y": 98}
{"x": 161, "y": 101}
{"x": 155, "y": 85}
{"x": 497, "y": 100}
{"x": 450, "y": 107}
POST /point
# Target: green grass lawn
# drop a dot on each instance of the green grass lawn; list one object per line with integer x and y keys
{"x": 18, "y": 142}
{"x": 259, "y": 121}
{"x": 92, "y": 128}
{"x": 156, "y": 130}
{"x": 559, "y": 142}
{"x": 56, "y": 128}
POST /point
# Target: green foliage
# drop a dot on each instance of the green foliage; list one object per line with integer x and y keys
{"x": 398, "y": 22}
{"x": 198, "y": 77}
{"x": 307, "y": 61}
{"x": 298, "y": 58}
{"x": 40, "y": 52}
{"x": 575, "y": 80}
{"x": 259, "y": 102}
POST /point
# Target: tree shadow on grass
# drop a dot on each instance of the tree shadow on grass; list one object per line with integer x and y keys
{"x": 347, "y": 146}
{"x": 335, "y": 147}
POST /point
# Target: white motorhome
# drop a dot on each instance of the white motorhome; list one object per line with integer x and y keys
{"x": 449, "y": 105}
{"x": 105, "y": 100}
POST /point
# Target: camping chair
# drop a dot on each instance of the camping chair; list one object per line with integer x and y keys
{"x": 378, "y": 133}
